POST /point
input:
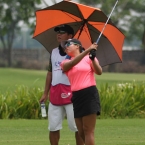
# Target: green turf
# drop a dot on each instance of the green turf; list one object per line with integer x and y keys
{"x": 34, "y": 132}
{"x": 108, "y": 132}
{"x": 10, "y": 78}
{"x": 113, "y": 78}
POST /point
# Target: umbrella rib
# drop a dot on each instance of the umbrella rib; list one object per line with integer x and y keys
{"x": 81, "y": 29}
{"x": 84, "y": 21}
{"x": 70, "y": 16}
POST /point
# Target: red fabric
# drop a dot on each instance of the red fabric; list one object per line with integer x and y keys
{"x": 60, "y": 94}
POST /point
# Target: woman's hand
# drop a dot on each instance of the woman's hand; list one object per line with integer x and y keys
{"x": 93, "y": 49}
{"x": 93, "y": 46}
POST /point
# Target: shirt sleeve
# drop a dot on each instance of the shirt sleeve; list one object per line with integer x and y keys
{"x": 63, "y": 62}
{"x": 50, "y": 65}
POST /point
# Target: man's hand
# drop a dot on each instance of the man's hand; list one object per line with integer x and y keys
{"x": 43, "y": 98}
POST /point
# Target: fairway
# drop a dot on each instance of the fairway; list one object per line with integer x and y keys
{"x": 10, "y": 78}
{"x": 35, "y": 132}
{"x": 108, "y": 132}
{"x": 114, "y": 78}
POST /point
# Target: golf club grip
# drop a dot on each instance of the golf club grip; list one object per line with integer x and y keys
{"x": 92, "y": 51}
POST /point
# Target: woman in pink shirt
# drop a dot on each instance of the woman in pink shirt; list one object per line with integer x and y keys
{"x": 80, "y": 70}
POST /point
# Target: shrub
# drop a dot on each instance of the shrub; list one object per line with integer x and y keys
{"x": 22, "y": 103}
{"x": 118, "y": 101}
{"x": 123, "y": 100}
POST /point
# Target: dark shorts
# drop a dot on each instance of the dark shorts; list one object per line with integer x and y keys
{"x": 86, "y": 102}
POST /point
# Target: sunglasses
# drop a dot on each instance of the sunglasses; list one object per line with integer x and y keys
{"x": 61, "y": 32}
{"x": 70, "y": 43}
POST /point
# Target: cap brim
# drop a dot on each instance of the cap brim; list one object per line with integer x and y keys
{"x": 56, "y": 29}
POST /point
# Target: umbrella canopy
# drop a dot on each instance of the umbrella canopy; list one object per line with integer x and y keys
{"x": 87, "y": 23}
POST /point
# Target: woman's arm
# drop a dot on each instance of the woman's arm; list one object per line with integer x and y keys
{"x": 96, "y": 67}
{"x": 68, "y": 65}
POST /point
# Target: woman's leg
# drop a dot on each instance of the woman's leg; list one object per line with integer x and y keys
{"x": 79, "y": 125}
{"x": 72, "y": 124}
{"x": 89, "y": 123}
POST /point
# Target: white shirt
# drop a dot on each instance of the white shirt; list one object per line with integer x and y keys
{"x": 58, "y": 77}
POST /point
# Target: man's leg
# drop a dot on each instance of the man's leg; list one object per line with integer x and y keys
{"x": 54, "y": 137}
{"x": 71, "y": 123}
{"x": 55, "y": 118}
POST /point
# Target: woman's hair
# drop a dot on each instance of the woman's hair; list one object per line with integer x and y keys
{"x": 81, "y": 49}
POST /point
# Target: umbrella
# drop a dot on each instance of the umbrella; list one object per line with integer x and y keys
{"x": 87, "y": 23}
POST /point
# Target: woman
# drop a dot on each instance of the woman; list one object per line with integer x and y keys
{"x": 80, "y": 70}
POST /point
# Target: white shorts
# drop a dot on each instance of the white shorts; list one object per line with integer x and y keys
{"x": 56, "y": 115}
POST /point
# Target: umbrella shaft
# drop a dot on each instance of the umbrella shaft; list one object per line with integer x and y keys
{"x": 106, "y": 23}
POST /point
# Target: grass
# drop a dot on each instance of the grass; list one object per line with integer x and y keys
{"x": 10, "y": 78}
{"x": 108, "y": 132}
{"x": 113, "y": 78}
{"x": 35, "y": 132}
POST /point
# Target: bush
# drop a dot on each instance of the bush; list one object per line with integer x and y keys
{"x": 22, "y": 103}
{"x": 118, "y": 101}
{"x": 123, "y": 100}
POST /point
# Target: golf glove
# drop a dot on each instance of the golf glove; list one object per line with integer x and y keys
{"x": 92, "y": 54}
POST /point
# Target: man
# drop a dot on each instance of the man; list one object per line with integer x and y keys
{"x": 58, "y": 86}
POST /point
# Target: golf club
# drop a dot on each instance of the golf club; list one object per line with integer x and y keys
{"x": 92, "y": 52}
{"x": 106, "y": 22}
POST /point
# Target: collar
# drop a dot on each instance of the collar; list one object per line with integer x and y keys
{"x": 61, "y": 51}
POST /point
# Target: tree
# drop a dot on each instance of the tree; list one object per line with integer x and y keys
{"x": 128, "y": 16}
{"x": 12, "y": 12}
{"x": 143, "y": 39}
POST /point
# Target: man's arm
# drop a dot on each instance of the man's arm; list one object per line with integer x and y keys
{"x": 47, "y": 83}
{"x": 47, "y": 87}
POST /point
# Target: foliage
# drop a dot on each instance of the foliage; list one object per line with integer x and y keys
{"x": 118, "y": 101}
{"x": 22, "y": 103}
{"x": 123, "y": 100}
{"x": 129, "y": 15}
{"x": 12, "y": 12}
{"x": 143, "y": 39}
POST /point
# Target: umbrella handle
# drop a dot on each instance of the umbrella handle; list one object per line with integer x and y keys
{"x": 106, "y": 23}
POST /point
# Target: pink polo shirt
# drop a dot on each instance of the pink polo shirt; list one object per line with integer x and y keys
{"x": 81, "y": 75}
